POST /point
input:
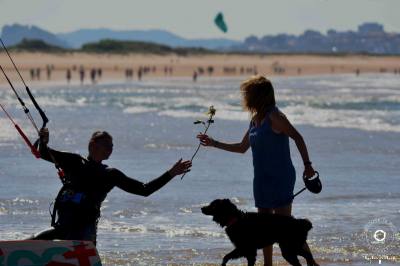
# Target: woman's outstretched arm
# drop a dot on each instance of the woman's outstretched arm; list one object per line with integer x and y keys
{"x": 240, "y": 147}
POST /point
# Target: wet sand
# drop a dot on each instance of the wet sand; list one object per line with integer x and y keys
{"x": 116, "y": 67}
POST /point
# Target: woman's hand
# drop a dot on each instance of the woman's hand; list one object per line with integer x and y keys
{"x": 180, "y": 168}
{"x": 205, "y": 140}
{"x": 308, "y": 171}
{"x": 44, "y": 136}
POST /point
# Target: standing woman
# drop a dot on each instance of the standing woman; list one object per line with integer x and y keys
{"x": 268, "y": 136}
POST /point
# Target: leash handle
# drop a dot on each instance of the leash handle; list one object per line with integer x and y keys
{"x": 308, "y": 184}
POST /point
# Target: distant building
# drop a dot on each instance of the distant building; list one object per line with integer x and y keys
{"x": 332, "y": 33}
{"x": 370, "y": 28}
{"x": 370, "y": 38}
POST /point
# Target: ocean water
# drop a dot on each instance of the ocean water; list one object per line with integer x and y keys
{"x": 351, "y": 126}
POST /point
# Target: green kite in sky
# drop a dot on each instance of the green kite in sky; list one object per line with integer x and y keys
{"x": 219, "y": 21}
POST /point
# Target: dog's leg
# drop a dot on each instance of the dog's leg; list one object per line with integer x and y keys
{"x": 306, "y": 253}
{"x": 234, "y": 254}
{"x": 289, "y": 254}
{"x": 291, "y": 258}
{"x": 251, "y": 256}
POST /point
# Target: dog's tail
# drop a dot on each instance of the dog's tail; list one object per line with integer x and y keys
{"x": 303, "y": 227}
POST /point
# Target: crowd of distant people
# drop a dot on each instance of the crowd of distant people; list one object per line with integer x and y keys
{"x": 95, "y": 74}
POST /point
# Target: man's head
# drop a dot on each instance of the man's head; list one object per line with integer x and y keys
{"x": 100, "y": 146}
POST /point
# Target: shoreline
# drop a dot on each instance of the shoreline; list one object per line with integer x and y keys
{"x": 47, "y": 67}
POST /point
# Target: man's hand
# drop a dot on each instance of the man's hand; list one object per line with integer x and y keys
{"x": 44, "y": 136}
{"x": 180, "y": 168}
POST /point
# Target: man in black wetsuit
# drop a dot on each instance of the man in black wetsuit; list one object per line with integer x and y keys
{"x": 86, "y": 183}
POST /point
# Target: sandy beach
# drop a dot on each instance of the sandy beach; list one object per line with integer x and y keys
{"x": 115, "y": 67}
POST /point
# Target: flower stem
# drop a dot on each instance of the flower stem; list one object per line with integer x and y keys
{"x": 198, "y": 147}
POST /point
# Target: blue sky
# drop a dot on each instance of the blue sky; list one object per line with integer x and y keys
{"x": 194, "y": 18}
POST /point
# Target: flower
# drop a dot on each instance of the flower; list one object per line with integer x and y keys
{"x": 211, "y": 111}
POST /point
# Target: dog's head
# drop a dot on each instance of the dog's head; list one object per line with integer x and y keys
{"x": 222, "y": 211}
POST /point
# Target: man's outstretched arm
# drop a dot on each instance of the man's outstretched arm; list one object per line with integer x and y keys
{"x": 146, "y": 189}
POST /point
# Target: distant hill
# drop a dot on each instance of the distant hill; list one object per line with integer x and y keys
{"x": 14, "y": 34}
{"x": 80, "y": 37}
{"x": 370, "y": 38}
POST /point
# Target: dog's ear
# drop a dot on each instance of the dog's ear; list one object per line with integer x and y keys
{"x": 226, "y": 200}
{"x": 229, "y": 207}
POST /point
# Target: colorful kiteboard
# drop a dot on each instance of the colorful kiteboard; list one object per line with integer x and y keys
{"x": 48, "y": 253}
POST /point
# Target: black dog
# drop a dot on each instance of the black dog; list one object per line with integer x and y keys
{"x": 251, "y": 231}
